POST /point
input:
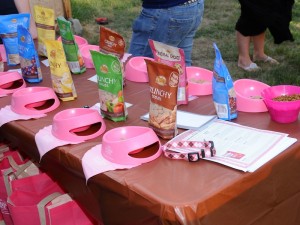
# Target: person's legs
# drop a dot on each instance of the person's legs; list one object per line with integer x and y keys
{"x": 144, "y": 29}
{"x": 243, "y": 44}
{"x": 184, "y": 23}
{"x": 175, "y": 26}
{"x": 244, "y": 60}
{"x": 259, "y": 50}
{"x": 259, "y": 46}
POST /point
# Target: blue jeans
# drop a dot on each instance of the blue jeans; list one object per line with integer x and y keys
{"x": 175, "y": 26}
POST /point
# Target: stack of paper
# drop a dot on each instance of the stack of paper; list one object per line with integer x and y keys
{"x": 240, "y": 147}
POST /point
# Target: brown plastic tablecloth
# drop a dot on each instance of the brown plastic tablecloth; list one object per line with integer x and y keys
{"x": 167, "y": 191}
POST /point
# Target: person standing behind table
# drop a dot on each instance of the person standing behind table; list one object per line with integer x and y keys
{"x": 172, "y": 22}
{"x": 256, "y": 17}
{"x": 8, "y": 7}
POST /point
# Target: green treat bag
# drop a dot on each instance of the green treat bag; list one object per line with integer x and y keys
{"x": 73, "y": 55}
{"x": 110, "y": 85}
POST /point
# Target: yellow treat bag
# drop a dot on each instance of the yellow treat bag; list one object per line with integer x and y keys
{"x": 62, "y": 81}
{"x": 45, "y": 23}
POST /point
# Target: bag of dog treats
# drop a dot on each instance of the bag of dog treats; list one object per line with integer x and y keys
{"x": 29, "y": 60}
{"x": 8, "y": 33}
{"x": 62, "y": 81}
{"x": 73, "y": 55}
{"x": 224, "y": 96}
{"x": 175, "y": 57}
{"x": 163, "y": 82}
{"x": 56, "y": 5}
{"x": 111, "y": 42}
{"x": 45, "y": 24}
{"x": 110, "y": 85}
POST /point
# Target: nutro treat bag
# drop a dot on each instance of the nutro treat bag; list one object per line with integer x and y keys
{"x": 62, "y": 81}
{"x": 45, "y": 22}
{"x": 9, "y": 35}
{"x": 29, "y": 60}
{"x": 175, "y": 57}
{"x": 110, "y": 86}
{"x": 224, "y": 96}
{"x": 73, "y": 55}
{"x": 163, "y": 82}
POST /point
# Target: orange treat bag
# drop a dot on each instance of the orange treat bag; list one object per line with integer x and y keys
{"x": 62, "y": 81}
{"x": 175, "y": 57}
{"x": 111, "y": 42}
{"x": 163, "y": 82}
{"x": 45, "y": 22}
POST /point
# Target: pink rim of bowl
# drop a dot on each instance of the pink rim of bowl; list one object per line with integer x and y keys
{"x": 25, "y": 101}
{"x": 282, "y": 111}
{"x": 67, "y": 124}
{"x": 7, "y": 81}
{"x": 120, "y": 145}
{"x": 199, "y": 80}
{"x": 79, "y": 40}
{"x": 3, "y": 53}
{"x": 86, "y": 55}
{"x": 136, "y": 69}
{"x": 248, "y": 94}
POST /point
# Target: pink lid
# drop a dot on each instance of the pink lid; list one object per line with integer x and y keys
{"x": 10, "y": 82}
{"x": 130, "y": 145}
{"x": 282, "y": 111}
{"x": 199, "y": 80}
{"x": 79, "y": 40}
{"x": 248, "y": 95}
{"x": 136, "y": 69}
{"x": 34, "y": 100}
{"x": 86, "y": 55}
{"x": 78, "y": 124}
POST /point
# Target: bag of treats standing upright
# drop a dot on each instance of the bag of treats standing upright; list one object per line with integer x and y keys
{"x": 8, "y": 33}
{"x": 62, "y": 81}
{"x": 163, "y": 82}
{"x": 110, "y": 86}
{"x": 29, "y": 59}
{"x": 111, "y": 42}
{"x": 224, "y": 96}
{"x": 73, "y": 55}
{"x": 175, "y": 57}
{"x": 45, "y": 23}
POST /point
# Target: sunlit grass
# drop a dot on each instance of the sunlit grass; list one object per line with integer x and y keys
{"x": 217, "y": 26}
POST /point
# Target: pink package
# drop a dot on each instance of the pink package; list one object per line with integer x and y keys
{"x": 172, "y": 56}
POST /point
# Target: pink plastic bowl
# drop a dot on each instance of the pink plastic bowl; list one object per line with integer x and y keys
{"x": 136, "y": 69}
{"x": 11, "y": 82}
{"x": 199, "y": 80}
{"x": 130, "y": 145}
{"x": 282, "y": 111}
{"x": 79, "y": 40}
{"x": 86, "y": 55}
{"x": 34, "y": 100}
{"x": 3, "y": 53}
{"x": 78, "y": 124}
{"x": 248, "y": 95}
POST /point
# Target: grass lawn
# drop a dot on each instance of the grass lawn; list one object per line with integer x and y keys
{"x": 217, "y": 26}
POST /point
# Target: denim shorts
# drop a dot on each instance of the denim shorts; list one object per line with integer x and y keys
{"x": 175, "y": 26}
